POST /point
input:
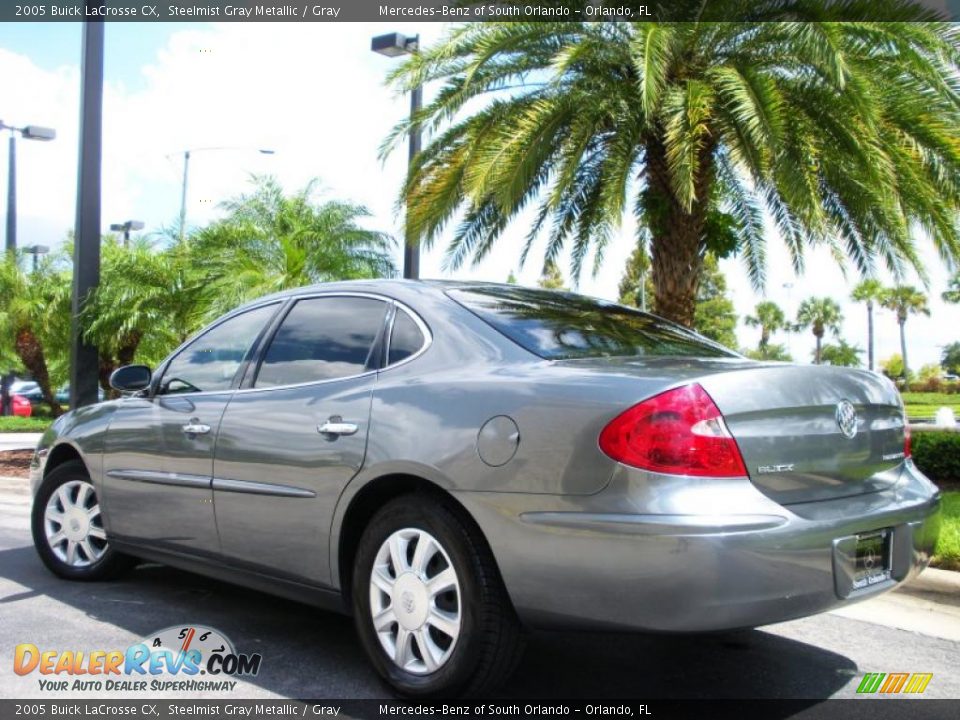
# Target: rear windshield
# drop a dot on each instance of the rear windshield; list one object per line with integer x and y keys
{"x": 561, "y": 326}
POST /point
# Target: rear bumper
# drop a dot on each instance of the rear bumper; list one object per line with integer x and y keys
{"x": 686, "y": 555}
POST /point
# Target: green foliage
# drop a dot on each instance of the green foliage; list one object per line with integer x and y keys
{"x": 937, "y": 454}
{"x": 820, "y": 315}
{"x": 892, "y": 367}
{"x": 35, "y": 321}
{"x": 270, "y": 241}
{"x": 952, "y": 293}
{"x": 950, "y": 358}
{"x": 846, "y": 133}
{"x": 842, "y": 354}
{"x": 769, "y": 318}
{"x": 773, "y": 351}
{"x": 636, "y": 284}
{"x": 15, "y": 423}
{"x": 930, "y": 371}
{"x": 714, "y": 316}
{"x": 511, "y": 278}
{"x": 905, "y": 300}
{"x": 923, "y": 406}
{"x": 947, "y": 553}
{"x": 551, "y": 278}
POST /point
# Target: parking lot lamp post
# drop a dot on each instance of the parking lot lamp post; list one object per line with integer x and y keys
{"x": 186, "y": 176}
{"x": 125, "y": 228}
{"x": 395, "y": 45}
{"x": 36, "y": 251}
{"x": 28, "y": 132}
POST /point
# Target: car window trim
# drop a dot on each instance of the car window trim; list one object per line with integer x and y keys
{"x": 314, "y": 296}
{"x": 162, "y": 369}
{"x": 425, "y": 333}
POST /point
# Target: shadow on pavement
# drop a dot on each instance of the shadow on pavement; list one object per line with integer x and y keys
{"x": 310, "y": 653}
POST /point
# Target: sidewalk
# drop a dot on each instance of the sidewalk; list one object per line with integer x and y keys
{"x": 19, "y": 441}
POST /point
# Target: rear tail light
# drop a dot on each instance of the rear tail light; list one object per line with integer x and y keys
{"x": 907, "y": 443}
{"x": 680, "y": 432}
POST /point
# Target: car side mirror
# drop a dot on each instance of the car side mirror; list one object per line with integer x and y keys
{"x": 131, "y": 378}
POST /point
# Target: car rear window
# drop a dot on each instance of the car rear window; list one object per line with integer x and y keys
{"x": 561, "y": 326}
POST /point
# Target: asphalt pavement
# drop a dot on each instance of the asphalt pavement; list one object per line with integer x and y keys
{"x": 309, "y": 653}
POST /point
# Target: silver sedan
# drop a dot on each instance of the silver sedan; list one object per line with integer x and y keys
{"x": 454, "y": 462}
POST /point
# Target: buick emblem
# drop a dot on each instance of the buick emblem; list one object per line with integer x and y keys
{"x": 847, "y": 419}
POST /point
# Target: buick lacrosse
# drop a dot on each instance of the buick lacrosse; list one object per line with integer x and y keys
{"x": 452, "y": 462}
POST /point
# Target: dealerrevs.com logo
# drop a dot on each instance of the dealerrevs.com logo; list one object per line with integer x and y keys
{"x": 179, "y": 658}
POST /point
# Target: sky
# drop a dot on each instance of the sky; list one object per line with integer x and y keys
{"x": 313, "y": 93}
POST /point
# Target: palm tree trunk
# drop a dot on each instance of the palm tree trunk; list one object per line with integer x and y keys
{"x": 870, "y": 333}
{"x": 817, "y": 357}
{"x": 903, "y": 348}
{"x": 677, "y": 235}
{"x": 764, "y": 337}
{"x": 30, "y": 352}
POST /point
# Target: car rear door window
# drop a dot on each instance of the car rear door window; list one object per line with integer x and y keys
{"x": 322, "y": 339}
{"x": 211, "y": 362}
{"x": 406, "y": 338}
{"x": 561, "y": 325}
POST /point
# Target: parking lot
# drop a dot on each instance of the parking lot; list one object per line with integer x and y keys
{"x": 308, "y": 653}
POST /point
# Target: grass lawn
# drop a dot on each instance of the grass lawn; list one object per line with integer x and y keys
{"x": 923, "y": 406}
{"x": 947, "y": 555}
{"x": 24, "y": 424}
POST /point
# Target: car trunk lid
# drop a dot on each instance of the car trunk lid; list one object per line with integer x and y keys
{"x": 786, "y": 421}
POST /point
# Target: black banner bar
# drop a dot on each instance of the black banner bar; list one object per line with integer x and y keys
{"x": 468, "y": 10}
{"x": 158, "y": 709}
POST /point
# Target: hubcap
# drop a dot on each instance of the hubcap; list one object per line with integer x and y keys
{"x": 72, "y": 524}
{"x": 415, "y": 601}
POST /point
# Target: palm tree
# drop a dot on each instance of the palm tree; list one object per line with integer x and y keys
{"x": 34, "y": 319}
{"x": 904, "y": 300}
{"x": 952, "y": 293}
{"x": 270, "y": 241}
{"x": 842, "y": 354}
{"x": 848, "y": 133}
{"x": 868, "y": 291}
{"x": 149, "y": 301}
{"x": 769, "y": 318}
{"x": 820, "y": 315}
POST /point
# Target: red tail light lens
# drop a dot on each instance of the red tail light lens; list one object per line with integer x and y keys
{"x": 680, "y": 432}
{"x": 907, "y": 442}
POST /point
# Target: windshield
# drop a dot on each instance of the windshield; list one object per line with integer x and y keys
{"x": 561, "y": 325}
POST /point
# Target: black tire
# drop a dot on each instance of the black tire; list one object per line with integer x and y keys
{"x": 490, "y": 642}
{"x": 108, "y": 566}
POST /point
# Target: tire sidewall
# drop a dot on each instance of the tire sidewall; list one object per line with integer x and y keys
{"x": 68, "y": 472}
{"x": 422, "y": 513}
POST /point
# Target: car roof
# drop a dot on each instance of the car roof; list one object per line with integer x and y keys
{"x": 387, "y": 286}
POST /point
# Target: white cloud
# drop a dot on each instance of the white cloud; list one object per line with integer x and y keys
{"x": 314, "y": 93}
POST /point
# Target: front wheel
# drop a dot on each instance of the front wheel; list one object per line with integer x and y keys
{"x": 68, "y": 528}
{"x": 429, "y": 604}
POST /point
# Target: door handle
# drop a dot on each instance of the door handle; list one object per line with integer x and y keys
{"x": 336, "y": 426}
{"x": 195, "y": 427}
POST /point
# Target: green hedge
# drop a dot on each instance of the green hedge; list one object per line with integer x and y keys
{"x": 937, "y": 454}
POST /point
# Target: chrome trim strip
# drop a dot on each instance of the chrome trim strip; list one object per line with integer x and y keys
{"x": 162, "y": 478}
{"x": 634, "y": 524}
{"x": 259, "y": 488}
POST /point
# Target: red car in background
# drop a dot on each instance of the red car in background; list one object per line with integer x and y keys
{"x": 21, "y": 406}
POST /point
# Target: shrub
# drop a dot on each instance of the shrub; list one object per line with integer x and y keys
{"x": 937, "y": 454}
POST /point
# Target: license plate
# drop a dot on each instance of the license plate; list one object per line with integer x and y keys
{"x": 872, "y": 559}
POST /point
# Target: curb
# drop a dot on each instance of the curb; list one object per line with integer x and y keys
{"x": 933, "y": 580}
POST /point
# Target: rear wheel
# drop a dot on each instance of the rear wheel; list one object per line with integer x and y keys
{"x": 68, "y": 527}
{"x": 429, "y": 604}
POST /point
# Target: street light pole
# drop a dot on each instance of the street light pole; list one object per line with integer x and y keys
{"x": 186, "y": 176}
{"x": 395, "y": 45}
{"x": 183, "y": 193}
{"x": 84, "y": 357}
{"x": 28, "y": 132}
{"x": 12, "y": 197}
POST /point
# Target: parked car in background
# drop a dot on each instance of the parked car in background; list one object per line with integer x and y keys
{"x": 29, "y": 390}
{"x": 21, "y": 406}
{"x": 450, "y": 462}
